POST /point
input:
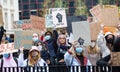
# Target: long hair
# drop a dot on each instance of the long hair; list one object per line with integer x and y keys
{"x": 33, "y": 61}
{"x": 66, "y": 42}
{"x": 93, "y": 50}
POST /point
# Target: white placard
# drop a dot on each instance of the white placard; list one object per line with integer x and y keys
{"x": 81, "y": 29}
{"x": 59, "y": 17}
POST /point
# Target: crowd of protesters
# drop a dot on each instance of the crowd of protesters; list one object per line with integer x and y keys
{"x": 55, "y": 48}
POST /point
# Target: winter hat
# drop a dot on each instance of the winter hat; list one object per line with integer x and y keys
{"x": 108, "y": 33}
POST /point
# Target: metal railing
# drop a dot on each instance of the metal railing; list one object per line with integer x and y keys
{"x": 59, "y": 68}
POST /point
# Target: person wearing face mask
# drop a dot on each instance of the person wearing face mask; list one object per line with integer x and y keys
{"x": 105, "y": 43}
{"x": 75, "y": 57}
{"x": 34, "y": 59}
{"x": 51, "y": 42}
{"x": 44, "y": 52}
{"x": 35, "y": 38}
{"x": 93, "y": 53}
{"x": 9, "y": 61}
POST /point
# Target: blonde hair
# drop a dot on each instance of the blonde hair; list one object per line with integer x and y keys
{"x": 93, "y": 50}
{"x": 31, "y": 60}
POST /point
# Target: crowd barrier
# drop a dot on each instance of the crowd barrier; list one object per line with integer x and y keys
{"x": 59, "y": 68}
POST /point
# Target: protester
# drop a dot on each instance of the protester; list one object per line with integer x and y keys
{"x": 93, "y": 53}
{"x": 62, "y": 48}
{"x": 34, "y": 59}
{"x": 50, "y": 41}
{"x": 9, "y": 61}
{"x": 2, "y": 32}
{"x": 75, "y": 57}
{"x": 44, "y": 52}
{"x": 35, "y": 38}
{"x": 4, "y": 39}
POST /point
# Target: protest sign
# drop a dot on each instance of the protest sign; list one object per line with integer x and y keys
{"x": 49, "y": 21}
{"x": 115, "y": 58}
{"x": 59, "y": 17}
{"x": 7, "y": 48}
{"x": 81, "y": 29}
{"x": 96, "y": 12}
{"x": 38, "y": 22}
{"x": 23, "y": 38}
{"x": 24, "y": 24}
{"x": 109, "y": 16}
{"x": 94, "y": 30}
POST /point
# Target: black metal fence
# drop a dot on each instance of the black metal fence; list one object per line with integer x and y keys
{"x": 58, "y": 68}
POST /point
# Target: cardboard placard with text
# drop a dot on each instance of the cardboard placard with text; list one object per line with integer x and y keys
{"x": 24, "y": 24}
{"x": 23, "y": 38}
{"x": 109, "y": 16}
{"x": 115, "y": 58}
{"x": 7, "y": 48}
{"x": 94, "y": 30}
{"x": 38, "y": 22}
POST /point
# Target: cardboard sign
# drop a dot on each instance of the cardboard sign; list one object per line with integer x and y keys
{"x": 115, "y": 58}
{"x": 24, "y": 24}
{"x": 7, "y": 48}
{"x": 94, "y": 30}
{"x": 59, "y": 17}
{"x": 23, "y": 38}
{"x": 109, "y": 16}
{"x": 81, "y": 29}
{"x": 49, "y": 21}
{"x": 96, "y": 12}
{"x": 38, "y": 22}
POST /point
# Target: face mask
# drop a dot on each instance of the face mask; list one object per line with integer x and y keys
{"x": 6, "y": 55}
{"x": 40, "y": 48}
{"x": 79, "y": 50}
{"x": 92, "y": 44}
{"x": 47, "y": 37}
{"x": 110, "y": 41}
{"x": 35, "y": 39}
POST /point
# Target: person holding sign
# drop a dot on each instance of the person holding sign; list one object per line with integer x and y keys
{"x": 9, "y": 61}
{"x": 75, "y": 57}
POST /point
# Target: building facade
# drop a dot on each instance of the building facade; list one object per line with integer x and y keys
{"x": 10, "y": 12}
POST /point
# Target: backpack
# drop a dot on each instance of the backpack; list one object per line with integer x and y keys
{"x": 15, "y": 59}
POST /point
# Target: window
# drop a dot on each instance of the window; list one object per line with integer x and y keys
{"x": 32, "y": 1}
{"x": 26, "y": 13}
{"x": 25, "y": 1}
{"x": 11, "y": 2}
{"x": 33, "y": 13}
{"x": 40, "y": 5}
{"x": 5, "y": 2}
{"x": 40, "y": 0}
{"x": 6, "y": 20}
{"x": 26, "y": 7}
{"x": 20, "y": 7}
{"x": 33, "y": 6}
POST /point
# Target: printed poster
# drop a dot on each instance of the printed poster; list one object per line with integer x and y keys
{"x": 59, "y": 17}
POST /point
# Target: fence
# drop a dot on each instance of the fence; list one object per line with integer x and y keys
{"x": 58, "y": 68}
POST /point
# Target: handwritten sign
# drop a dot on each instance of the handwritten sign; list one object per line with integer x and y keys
{"x": 6, "y": 48}
{"x": 24, "y": 24}
{"x": 23, "y": 38}
{"x": 38, "y": 22}
{"x": 59, "y": 17}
